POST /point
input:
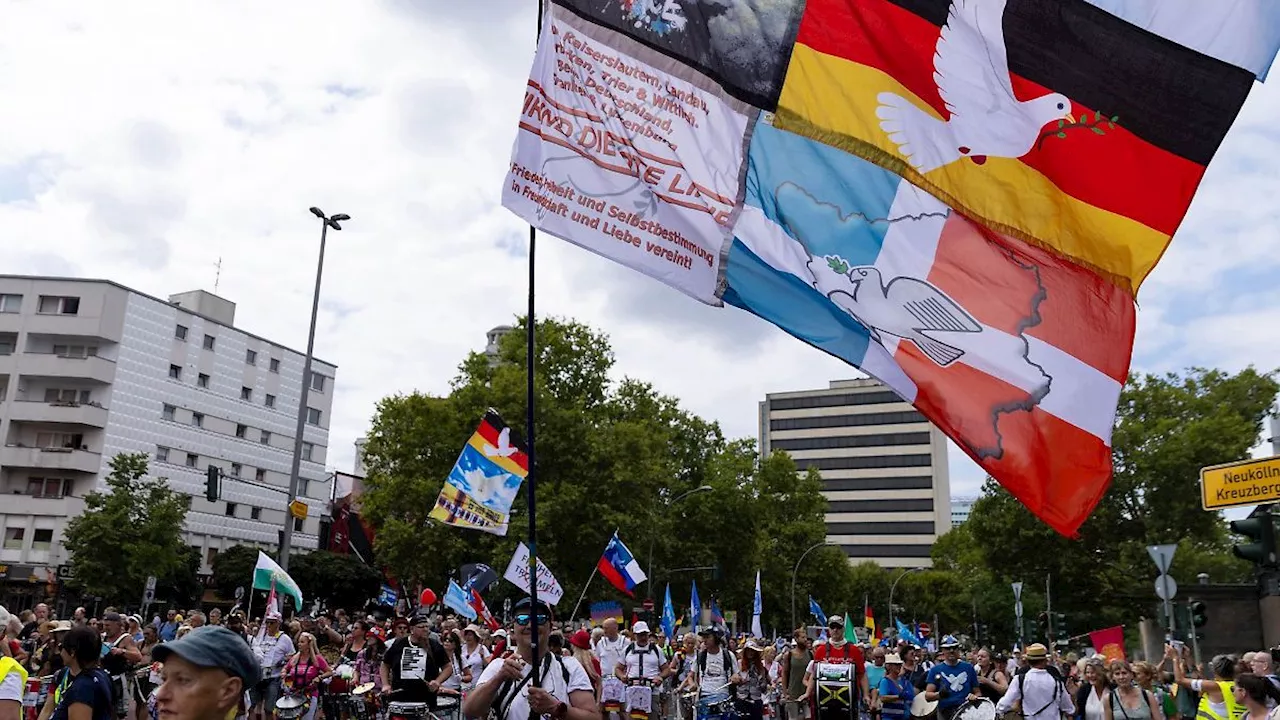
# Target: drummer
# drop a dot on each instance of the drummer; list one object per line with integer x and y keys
{"x": 952, "y": 682}
{"x": 205, "y": 674}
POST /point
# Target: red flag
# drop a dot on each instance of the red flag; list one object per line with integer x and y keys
{"x": 1109, "y": 642}
{"x": 482, "y": 610}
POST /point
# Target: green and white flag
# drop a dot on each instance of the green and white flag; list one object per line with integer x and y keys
{"x": 267, "y": 571}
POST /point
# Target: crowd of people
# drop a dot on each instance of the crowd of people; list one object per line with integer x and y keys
{"x": 342, "y": 666}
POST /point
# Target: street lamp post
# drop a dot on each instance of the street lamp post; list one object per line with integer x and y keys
{"x": 795, "y": 570}
{"x": 667, "y": 504}
{"x": 286, "y": 540}
{"x": 894, "y": 586}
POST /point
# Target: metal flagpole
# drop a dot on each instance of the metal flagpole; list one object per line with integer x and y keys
{"x": 531, "y": 492}
{"x": 578, "y": 604}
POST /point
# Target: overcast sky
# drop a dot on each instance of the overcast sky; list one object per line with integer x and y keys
{"x": 145, "y": 141}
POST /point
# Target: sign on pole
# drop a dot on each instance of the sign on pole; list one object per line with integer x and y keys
{"x": 1162, "y": 556}
{"x": 298, "y": 509}
{"x": 1166, "y": 588}
{"x": 151, "y": 583}
{"x": 239, "y": 592}
{"x": 1245, "y": 482}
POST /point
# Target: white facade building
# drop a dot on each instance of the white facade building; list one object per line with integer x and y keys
{"x": 960, "y": 509}
{"x": 89, "y": 369}
{"x": 883, "y": 466}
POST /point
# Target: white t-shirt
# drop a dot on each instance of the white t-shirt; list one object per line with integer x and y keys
{"x": 712, "y": 683}
{"x": 552, "y": 681}
{"x": 644, "y": 661}
{"x": 12, "y": 688}
{"x": 610, "y": 652}
{"x": 475, "y": 662}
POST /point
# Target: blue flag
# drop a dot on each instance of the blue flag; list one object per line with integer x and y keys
{"x": 388, "y": 596}
{"x": 817, "y": 611}
{"x": 669, "y": 615}
{"x": 456, "y": 599}
{"x": 905, "y": 633}
{"x": 695, "y": 607}
{"x": 717, "y": 617}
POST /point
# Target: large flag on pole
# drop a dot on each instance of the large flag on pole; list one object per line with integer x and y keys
{"x": 484, "y": 481}
{"x": 695, "y": 607}
{"x": 669, "y": 615}
{"x": 869, "y": 618}
{"x": 267, "y": 573}
{"x": 757, "y": 608}
{"x": 619, "y": 566}
{"x": 816, "y": 610}
{"x": 459, "y": 600}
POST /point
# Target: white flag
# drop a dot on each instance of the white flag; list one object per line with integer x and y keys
{"x": 757, "y": 607}
{"x": 549, "y": 590}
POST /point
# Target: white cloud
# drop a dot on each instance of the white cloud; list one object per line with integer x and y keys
{"x": 145, "y": 141}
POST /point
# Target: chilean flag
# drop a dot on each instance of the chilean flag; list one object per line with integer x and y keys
{"x": 619, "y": 567}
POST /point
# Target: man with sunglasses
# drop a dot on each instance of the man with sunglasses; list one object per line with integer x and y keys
{"x": 563, "y": 692}
{"x": 415, "y": 667}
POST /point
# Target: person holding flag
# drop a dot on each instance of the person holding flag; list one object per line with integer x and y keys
{"x": 272, "y": 647}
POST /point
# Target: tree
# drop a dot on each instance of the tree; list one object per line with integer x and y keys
{"x": 233, "y": 568}
{"x": 334, "y": 579}
{"x": 131, "y": 531}
{"x": 610, "y": 455}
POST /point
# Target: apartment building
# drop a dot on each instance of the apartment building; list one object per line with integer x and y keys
{"x": 883, "y": 465}
{"x": 90, "y": 368}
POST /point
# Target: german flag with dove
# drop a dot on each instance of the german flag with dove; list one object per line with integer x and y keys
{"x": 484, "y": 481}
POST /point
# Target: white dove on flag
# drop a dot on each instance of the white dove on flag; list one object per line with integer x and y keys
{"x": 971, "y": 69}
{"x": 505, "y": 448}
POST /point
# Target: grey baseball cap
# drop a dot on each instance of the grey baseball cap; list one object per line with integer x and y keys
{"x": 213, "y": 646}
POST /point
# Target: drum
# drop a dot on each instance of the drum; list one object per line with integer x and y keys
{"x": 407, "y": 710}
{"x": 292, "y": 706}
{"x": 448, "y": 707}
{"x": 722, "y": 710}
{"x": 836, "y": 697}
{"x": 921, "y": 708}
{"x": 362, "y": 690}
{"x": 982, "y": 709}
{"x": 340, "y": 682}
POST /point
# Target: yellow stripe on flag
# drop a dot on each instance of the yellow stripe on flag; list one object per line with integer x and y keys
{"x": 478, "y": 442}
{"x": 833, "y": 100}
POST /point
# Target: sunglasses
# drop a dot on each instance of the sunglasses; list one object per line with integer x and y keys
{"x": 523, "y": 618}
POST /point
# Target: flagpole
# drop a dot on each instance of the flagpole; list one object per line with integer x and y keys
{"x": 578, "y": 604}
{"x": 531, "y": 494}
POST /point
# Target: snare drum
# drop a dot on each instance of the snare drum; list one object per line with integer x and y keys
{"x": 292, "y": 706}
{"x": 982, "y": 709}
{"x": 835, "y": 697}
{"x": 407, "y": 710}
{"x": 448, "y": 707}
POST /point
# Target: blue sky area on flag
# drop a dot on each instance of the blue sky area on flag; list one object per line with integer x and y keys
{"x": 402, "y": 114}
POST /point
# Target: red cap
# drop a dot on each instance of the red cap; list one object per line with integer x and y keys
{"x": 580, "y": 639}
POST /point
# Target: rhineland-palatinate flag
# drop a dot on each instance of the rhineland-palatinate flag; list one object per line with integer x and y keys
{"x": 959, "y": 197}
{"x": 1054, "y": 121}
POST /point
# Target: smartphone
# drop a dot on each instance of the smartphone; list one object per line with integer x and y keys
{"x": 1178, "y": 645}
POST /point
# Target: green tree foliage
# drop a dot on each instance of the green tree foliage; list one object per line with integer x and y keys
{"x": 232, "y": 568}
{"x": 130, "y": 531}
{"x": 335, "y": 580}
{"x": 1167, "y": 428}
{"x": 610, "y": 455}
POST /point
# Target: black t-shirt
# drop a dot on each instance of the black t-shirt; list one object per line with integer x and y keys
{"x": 90, "y": 687}
{"x": 412, "y": 667}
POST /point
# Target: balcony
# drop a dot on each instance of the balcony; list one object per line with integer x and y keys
{"x": 66, "y": 459}
{"x": 98, "y": 369}
{"x": 57, "y": 324}
{"x": 67, "y": 413}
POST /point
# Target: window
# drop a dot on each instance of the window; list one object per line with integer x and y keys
{"x": 307, "y": 450}
{"x": 54, "y": 395}
{"x": 251, "y": 357}
{"x": 297, "y": 524}
{"x": 162, "y": 454}
{"x": 192, "y": 459}
{"x": 85, "y": 397}
{"x": 270, "y": 401}
{"x": 166, "y": 412}
{"x": 275, "y": 365}
{"x": 208, "y": 342}
{"x": 304, "y": 485}
{"x": 180, "y": 332}
{"x": 6, "y": 346}
{"x": 59, "y": 440}
{"x": 313, "y": 416}
{"x": 317, "y": 382}
{"x": 235, "y": 469}
{"x": 202, "y": 380}
{"x": 246, "y": 393}
{"x": 55, "y": 305}
{"x": 175, "y": 372}
{"x": 260, "y": 475}
{"x": 45, "y": 487}
{"x": 266, "y": 438}
{"x": 197, "y": 419}
{"x": 209, "y": 556}
{"x": 231, "y": 510}
{"x": 255, "y": 513}
{"x": 42, "y": 538}
{"x": 242, "y": 430}
{"x": 75, "y": 351}
{"x": 10, "y": 303}
{"x": 13, "y": 538}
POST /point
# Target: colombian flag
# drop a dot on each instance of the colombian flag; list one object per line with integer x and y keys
{"x": 1053, "y": 121}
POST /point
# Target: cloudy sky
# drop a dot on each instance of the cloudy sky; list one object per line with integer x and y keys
{"x": 145, "y": 141}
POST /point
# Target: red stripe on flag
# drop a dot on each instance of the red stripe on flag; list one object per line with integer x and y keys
{"x": 490, "y": 435}
{"x": 1118, "y": 171}
{"x": 611, "y": 574}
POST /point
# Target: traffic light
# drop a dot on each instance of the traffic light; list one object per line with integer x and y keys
{"x": 1260, "y": 528}
{"x": 1045, "y": 629}
{"x": 1199, "y": 614}
{"x": 211, "y": 484}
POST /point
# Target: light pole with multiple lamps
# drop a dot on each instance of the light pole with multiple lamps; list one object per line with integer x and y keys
{"x": 667, "y": 504}
{"x": 795, "y": 570}
{"x": 893, "y": 587}
{"x": 286, "y": 540}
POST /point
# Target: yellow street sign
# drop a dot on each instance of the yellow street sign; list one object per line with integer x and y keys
{"x": 298, "y": 509}
{"x": 1246, "y": 482}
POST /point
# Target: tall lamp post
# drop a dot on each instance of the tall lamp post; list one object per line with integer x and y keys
{"x": 667, "y": 504}
{"x": 286, "y": 540}
{"x": 894, "y": 586}
{"x": 795, "y": 570}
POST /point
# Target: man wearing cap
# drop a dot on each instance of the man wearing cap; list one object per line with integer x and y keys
{"x": 952, "y": 682}
{"x": 122, "y": 654}
{"x": 272, "y": 647}
{"x": 1042, "y": 695}
{"x": 643, "y": 661}
{"x": 836, "y": 650}
{"x": 563, "y": 690}
{"x": 713, "y": 667}
{"x": 415, "y": 667}
{"x": 205, "y": 674}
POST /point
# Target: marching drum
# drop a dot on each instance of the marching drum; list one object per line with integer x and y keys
{"x": 448, "y": 707}
{"x": 982, "y": 709}
{"x": 836, "y": 696}
{"x": 924, "y": 709}
{"x": 292, "y": 706}
{"x": 407, "y": 710}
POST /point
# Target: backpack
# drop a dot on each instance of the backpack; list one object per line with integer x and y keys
{"x": 652, "y": 647}
{"x": 509, "y": 689}
{"x": 702, "y": 662}
{"x": 1057, "y": 690}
